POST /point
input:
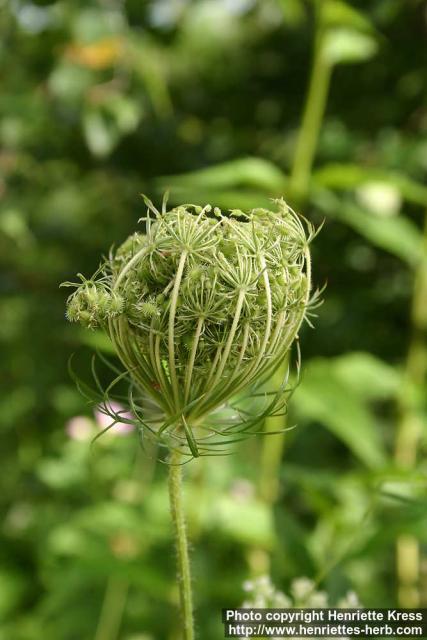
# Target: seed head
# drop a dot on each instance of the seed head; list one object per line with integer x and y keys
{"x": 201, "y": 305}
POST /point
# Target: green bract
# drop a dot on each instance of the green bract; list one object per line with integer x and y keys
{"x": 199, "y": 306}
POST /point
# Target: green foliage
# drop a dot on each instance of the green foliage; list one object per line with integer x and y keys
{"x": 103, "y": 101}
{"x": 324, "y": 398}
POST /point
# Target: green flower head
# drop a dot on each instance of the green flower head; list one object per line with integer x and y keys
{"x": 199, "y": 306}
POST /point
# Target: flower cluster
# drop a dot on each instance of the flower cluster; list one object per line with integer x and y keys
{"x": 201, "y": 304}
{"x": 303, "y": 594}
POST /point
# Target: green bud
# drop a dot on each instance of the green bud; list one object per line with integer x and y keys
{"x": 203, "y": 305}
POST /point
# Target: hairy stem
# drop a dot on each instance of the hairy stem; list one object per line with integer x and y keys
{"x": 410, "y": 427}
{"x": 180, "y": 534}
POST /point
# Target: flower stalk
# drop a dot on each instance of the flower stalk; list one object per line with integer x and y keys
{"x": 410, "y": 427}
{"x": 200, "y": 306}
{"x": 314, "y": 109}
{"x": 180, "y": 535}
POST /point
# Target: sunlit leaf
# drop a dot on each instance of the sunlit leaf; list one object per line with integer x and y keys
{"x": 225, "y": 199}
{"x": 97, "y": 340}
{"x": 397, "y": 234}
{"x": 343, "y": 45}
{"x": 366, "y": 375}
{"x": 336, "y": 13}
{"x": 348, "y": 176}
{"x": 101, "y": 135}
{"x": 246, "y": 522}
{"x": 255, "y": 173}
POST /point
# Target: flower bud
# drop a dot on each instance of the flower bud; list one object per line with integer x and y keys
{"x": 201, "y": 305}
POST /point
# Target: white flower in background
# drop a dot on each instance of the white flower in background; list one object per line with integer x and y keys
{"x": 79, "y": 428}
{"x": 83, "y": 428}
{"x": 263, "y": 595}
{"x": 104, "y": 420}
{"x": 380, "y": 198}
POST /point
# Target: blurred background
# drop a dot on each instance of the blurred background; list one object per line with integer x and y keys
{"x": 231, "y": 102}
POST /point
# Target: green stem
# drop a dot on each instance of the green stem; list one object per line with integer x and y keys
{"x": 180, "y": 534}
{"x": 311, "y": 121}
{"x": 314, "y": 110}
{"x": 299, "y": 182}
{"x": 112, "y": 609}
{"x": 114, "y": 602}
{"x": 272, "y": 449}
{"x": 410, "y": 427}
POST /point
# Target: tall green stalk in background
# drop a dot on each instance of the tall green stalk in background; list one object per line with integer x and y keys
{"x": 410, "y": 427}
{"x": 314, "y": 110}
{"x": 342, "y": 35}
{"x": 312, "y": 118}
{"x": 112, "y": 609}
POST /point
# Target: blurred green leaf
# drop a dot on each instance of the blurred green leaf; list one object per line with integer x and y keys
{"x": 249, "y": 522}
{"x": 225, "y": 199}
{"x": 341, "y": 46}
{"x": 12, "y": 589}
{"x": 397, "y": 234}
{"x": 97, "y": 340}
{"x": 92, "y": 23}
{"x": 68, "y": 471}
{"x": 367, "y": 376}
{"x": 103, "y": 127}
{"x": 337, "y": 13}
{"x": 126, "y": 112}
{"x": 294, "y": 12}
{"x": 101, "y": 136}
{"x": 322, "y": 396}
{"x": 13, "y": 224}
{"x": 69, "y": 81}
{"x": 255, "y": 173}
{"x": 349, "y": 176}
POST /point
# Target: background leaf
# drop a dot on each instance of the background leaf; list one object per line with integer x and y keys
{"x": 323, "y": 396}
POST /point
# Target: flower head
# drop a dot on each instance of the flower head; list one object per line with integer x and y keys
{"x": 201, "y": 305}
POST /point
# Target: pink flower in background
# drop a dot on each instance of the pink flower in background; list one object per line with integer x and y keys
{"x": 79, "y": 428}
{"x": 119, "y": 428}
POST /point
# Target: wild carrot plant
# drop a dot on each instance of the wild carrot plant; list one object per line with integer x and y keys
{"x": 200, "y": 306}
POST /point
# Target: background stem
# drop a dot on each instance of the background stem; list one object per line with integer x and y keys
{"x": 273, "y": 445}
{"x": 312, "y": 119}
{"x": 112, "y": 609}
{"x": 314, "y": 110}
{"x": 410, "y": 427}
{"x": 269, "y": 472}
{"x": 180, "y": 534}
{"x": 117, "y": 589}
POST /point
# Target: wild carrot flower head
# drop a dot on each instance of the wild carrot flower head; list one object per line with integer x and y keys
{"x": 200, "y": 305}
